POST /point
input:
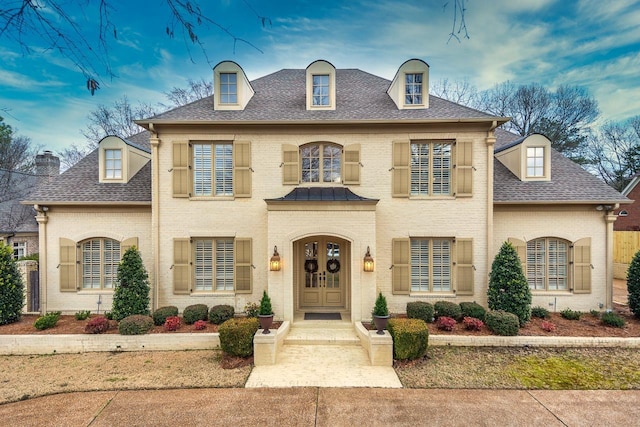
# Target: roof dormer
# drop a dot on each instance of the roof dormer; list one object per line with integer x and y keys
{"x": 232, "y": 89}
{"x": 410, "y": 86}
{"x": 321, "y": 86}
{"x": 528, "y": 158}
{"x": 120, "y": 160}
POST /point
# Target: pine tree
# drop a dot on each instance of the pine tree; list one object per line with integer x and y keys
{"x": 131, "y": 295}
{"x": 633, "y": 285}
{"x": 508, "y": 287}
{"x": 11, "y": 287}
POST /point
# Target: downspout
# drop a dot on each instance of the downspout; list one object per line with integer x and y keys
{"x": 609, "y": 219}
{"x": 155, "y": 215}
{"x": 490, "y": 142}
{"x": 43, "y": 267}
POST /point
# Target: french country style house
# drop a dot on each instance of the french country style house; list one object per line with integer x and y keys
{"x": 324, "y": 186}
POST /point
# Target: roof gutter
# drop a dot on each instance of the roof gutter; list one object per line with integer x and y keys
{"x": 562, "y": 202}
{"x": 84, "y": 203}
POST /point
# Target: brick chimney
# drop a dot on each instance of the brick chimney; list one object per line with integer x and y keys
{"x": 47, "y": 166}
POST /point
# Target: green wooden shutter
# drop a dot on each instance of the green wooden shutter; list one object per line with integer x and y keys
{"x": 401, "y": 272}
{"x": 126, "y": 244}
{"x": 180, "y": 169}
{"x": 401, "y": 160}
{"x": 464, "y": 169}
{"x": 582, "y": 266}
{"x": 290, "y": 165}
{"x": 242, "y": 169}
{"x": 521, "y": 248}
{"x": 68, "y": 265}
{"x": 181, "y": 266}
{"x": 242, "y": 266}
{"x": 352, "y": 164}
{"x": 464, "y": 267}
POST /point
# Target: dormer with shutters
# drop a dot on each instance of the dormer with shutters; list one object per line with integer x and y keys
{"x": 321, "y": 86}
{"x": 232, "y": 89}
{"x": 528, "y": 158}
{"x": 409, "y": 89}
{"x": 120, "y": 160}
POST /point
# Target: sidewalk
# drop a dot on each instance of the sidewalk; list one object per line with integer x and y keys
{"x": 327, "y": 407}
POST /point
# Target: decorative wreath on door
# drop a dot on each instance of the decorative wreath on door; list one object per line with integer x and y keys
{"x": 311, "y": 266}
{"x": 333, "y": 266}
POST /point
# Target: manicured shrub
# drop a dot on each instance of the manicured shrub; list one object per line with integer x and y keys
{"x": 410, "y": 338}
{"x": 82, "y": 315}
{"x": 97, "y": 325}
{"x": 236, "y": 336}
{"x": 220, "y": 313}
{"x": 380, "y": 307}
{"x": 610, "y": 318}
{"x": 136, "y": 324}
{"x": 508, "y": 287}
{"x": 195, "y": 312}
{"x": 547, "y": 326}
{"x": 447, "y": 309}
{"x": 540, "y": 312}
{"x": 199, "y": 325}
{"x": 420, "y": 310}
{"x": 265, "y": 305}
{"x": 47, "y": 321}
{"x": 11, "y": 287}
{"x": 472, "y": 323}
{"x": 633, "y": 285}
{"x": 472, "y": 309}
{"x": 131, "y": 295}
{"x": 502, "y": 322}
{"x": 446, "y": 323}
{"x": 251, "y": 309}
{"x": 569, "y": 314}
{"x": 162, "y": 313}
{"x": 172, "y": 323}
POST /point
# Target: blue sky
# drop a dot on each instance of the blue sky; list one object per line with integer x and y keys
{"x": 589, "y": 43}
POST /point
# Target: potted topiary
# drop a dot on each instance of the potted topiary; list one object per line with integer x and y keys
{"x": 380, "y": 313}
{"x": 265, "y": 313}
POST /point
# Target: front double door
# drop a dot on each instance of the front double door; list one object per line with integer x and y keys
{"x": 323, "y": 272}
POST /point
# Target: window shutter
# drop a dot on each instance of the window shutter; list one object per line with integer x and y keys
{"x": 242, "y": 169}
{"x": 464, "y": 267}
{"x": 582, "y": 266}
{"x": 181, "y": 266}
{"x": 521, "y": 248}
{"x": 68, "y": 265}
{"x": 464, "y": 169}
{"x": 352, "y": 164}
{"x": 401, "y": 160}
{"x": 290, "y": 165}
{"x": 243, "y": 269}
{"x": 180, "y": 169}
{"x": 400, "y": 254}
{"x": 126, "y": 244}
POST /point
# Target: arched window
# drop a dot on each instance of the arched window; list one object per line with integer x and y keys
{"x": 548, "y": 264}
{"x": 100, "y": 259}
{"x": 321, "y": 162}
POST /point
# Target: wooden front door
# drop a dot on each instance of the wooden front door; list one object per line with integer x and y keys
{"x": 322, "y": 275}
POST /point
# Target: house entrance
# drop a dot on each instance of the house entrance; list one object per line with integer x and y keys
{"x": 322, "y": 272}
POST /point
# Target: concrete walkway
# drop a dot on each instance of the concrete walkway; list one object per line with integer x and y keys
{"x": 327, "y": 407}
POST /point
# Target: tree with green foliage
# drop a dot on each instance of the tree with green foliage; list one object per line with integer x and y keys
{"x": 508, "y": 287}
{"x": 131, "y": 295}
{"x": 11, "y": 287}
{"x": 633, "y": 285}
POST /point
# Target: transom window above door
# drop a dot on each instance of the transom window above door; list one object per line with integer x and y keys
{"x": 321, "y": 163}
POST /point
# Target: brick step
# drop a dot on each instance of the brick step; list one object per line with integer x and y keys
{"x": 322, "y": 336}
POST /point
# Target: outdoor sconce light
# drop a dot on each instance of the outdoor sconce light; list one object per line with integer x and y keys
{"x": 274, "y": 263}
{"x": 368, "y": 261}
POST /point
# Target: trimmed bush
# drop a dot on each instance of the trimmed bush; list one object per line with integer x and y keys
{"x": 502, "y": 322}
{"x": 472, "y": 323}
{"x": 569, "y": 314}
{"x": 540, "y": 312}
{"x": 136, "y": 324}
{"x": 47, "y": 321}
{"x": 162, "y": 313}
{"x": 195, "y": 312}
{"x": 97, "y": 325}
{"x": 547, "y": 326}
{"x": 172, "y": 323}
{"x": 446, "y": 323}
{"x": 410, "y": 338}
{"x": 380, "y": 307}
{"x": 131, "y": 295}
{"x": 633, "y": 285}
{"x": 11, "y": 287}
{"x": 508, "y": 287}
{"x": 472, "y": 309}
{"x": 610, "y": 318}
{"x": 82, "y": 315}
{"x": 420, "y": 310}
{"x": 220, "y": 313}
{"x": 236, "y": 336}
{"x": 199, "y": 325}
{"x": 447, "y": 309}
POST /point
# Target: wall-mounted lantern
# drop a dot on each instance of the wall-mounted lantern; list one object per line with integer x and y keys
{"x": 274, "y": 262}
{"x": 368, "y": 261}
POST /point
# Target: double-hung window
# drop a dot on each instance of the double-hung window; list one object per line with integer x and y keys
{"x": 430, "y": 168}
{"x": 431, "y": 265}
{"x": 214, "y": 263}
{"x": 321, "y": 163}
{"x": 535, "y": 161}
{"x": 100, "y": 260}
{"x": 320, "y": 90}
{"x": 112, "y": 164}
{"x": 547, "y": 264}
{"x": 19, "y": 249}
{"x": 413, "y": 89}
{"x": 213, "y": 169}
{"x": 228, "y": 88}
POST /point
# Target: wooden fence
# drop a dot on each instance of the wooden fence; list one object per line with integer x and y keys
{"x": 625, "y": 246}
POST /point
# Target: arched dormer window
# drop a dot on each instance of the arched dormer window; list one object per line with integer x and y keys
{"x": 321, "y": 86}
{"x": 321, "y": 163}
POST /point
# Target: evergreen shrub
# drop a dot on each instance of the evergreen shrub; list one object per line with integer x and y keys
{"x": 472, "y": 309}
{"x": 420, "y": 310}
{"x": 131, "y": 295}
{"x": 47, "y": 321}
{"x": 161, "y": 314}
{"x": 447, "y": 309}
{"x": 220, "y": 313}
{"x": 502, "y": 322}
{"x": 236, "y": 336}
{"x": 136, "y": 324}
{"x": 540, "y": 312}
{"x": 610, "y": 318}
{"x": 11, "y": 287}
{"x": 410, "y": 338}
{"x": 633, "y": 285}
{"x": 569, "y": 314}
{"x": 82, "y": 315}
{"x": 195, "y": 312}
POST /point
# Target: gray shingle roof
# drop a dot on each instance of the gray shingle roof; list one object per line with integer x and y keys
{"x": 569, "y": 182}
{"x": 280, "y": 97}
